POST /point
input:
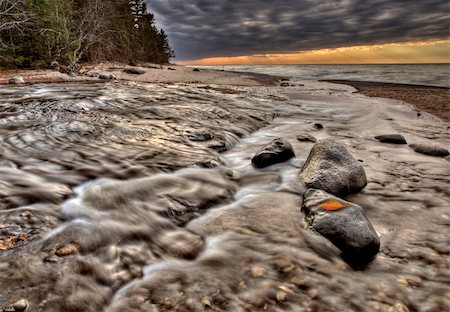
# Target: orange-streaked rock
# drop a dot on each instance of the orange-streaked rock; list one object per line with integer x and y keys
{"x": 332, "y": 205}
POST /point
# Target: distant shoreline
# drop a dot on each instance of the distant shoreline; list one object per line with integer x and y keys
{"x": 430, "y": 99}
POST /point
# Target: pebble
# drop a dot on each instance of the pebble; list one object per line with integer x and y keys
{"x": 68, "y": 250}
{"x": 18, "y": 306}
{"x": 318, "y": 125}
{"x": 258, "y": 271}
{"x": 306, "y": 138}
{"x": 16, "y": 80}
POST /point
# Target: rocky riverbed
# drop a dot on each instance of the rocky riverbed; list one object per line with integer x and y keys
{"x": 125, "y": 196}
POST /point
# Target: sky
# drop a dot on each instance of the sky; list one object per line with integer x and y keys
{"x": 214, "y": 32}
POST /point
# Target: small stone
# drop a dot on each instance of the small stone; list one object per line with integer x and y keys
{"x": 16, "y": 80}
{"x": 258, "y": 271}
{"x": 306, "y": 138}
{"x": 170, "y": 68}
{"x": 313, "y": 293}
{"x": 285, "y": 84}
{"x": 414, "y": 280}
{"x": 430, "y": 150}
{"x": 398, "y": 307}
{"x": 281, "y": 296}
{"x": 196, "y": 70}
{"x": 318, "y": 126}
{"x": 68, "y": 250}
{"x": 105, "y": 77}
{"x": 277, "y": 151}
{"x": 25, "y": 214}
{"x": 134, "y": 71}
{"x": 20, "y": 305}
{"x": 391, "y": 138}
{"x": 71, "y": 74}
{"x": 206, "y": 302}
{"x": 91, "y": 74}
{"x": 299, "y": 282}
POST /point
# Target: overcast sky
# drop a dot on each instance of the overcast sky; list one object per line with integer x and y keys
{"x": 212, "y": 28}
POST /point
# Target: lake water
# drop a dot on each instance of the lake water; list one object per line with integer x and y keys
{"x": 421, "y": 74}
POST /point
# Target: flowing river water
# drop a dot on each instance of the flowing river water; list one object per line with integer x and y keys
{"x": 141, "y": 197}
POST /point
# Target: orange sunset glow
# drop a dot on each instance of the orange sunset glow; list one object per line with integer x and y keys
{"x": 436, "y": 51}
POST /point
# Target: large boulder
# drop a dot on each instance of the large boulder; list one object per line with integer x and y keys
{"x": 277, "y": 151}
{"x": 342, "y": 223}
{"x": 331, "y": 168}
{"x": 391, "y": 138}
{"x": 430, "y": 149}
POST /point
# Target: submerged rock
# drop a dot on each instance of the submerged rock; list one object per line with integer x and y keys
{"x": 277, "y": 151}
{"x": 391, "y": 138}
{"x": 331, "y": 168}
{"x": 343, "y": 223}
{"x": 306, "y": 138}
{"x": 430, "y": 149}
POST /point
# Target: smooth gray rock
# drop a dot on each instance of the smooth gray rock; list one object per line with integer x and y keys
{"x": 16, "y": 80}
{"x": 277, "y": 151}
{"x": 391, "y": 138}
{"x": 342, "y": 223}
{"x": 134, "y": 71}
{"x": 331, "y": 168}
{"x": 430, "y": 150}
{"x": 306, "y": 137}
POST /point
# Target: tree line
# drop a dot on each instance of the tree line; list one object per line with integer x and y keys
{"x": 39, "y": 33}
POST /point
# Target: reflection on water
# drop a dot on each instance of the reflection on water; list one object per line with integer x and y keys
{"x": 141, "y": 197}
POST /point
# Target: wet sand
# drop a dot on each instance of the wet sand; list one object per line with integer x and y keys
{"x": 434, "y": 100}
{"x": 134, "y": 196}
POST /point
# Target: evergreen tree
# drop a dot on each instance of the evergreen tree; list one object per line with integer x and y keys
{"x": 68, "y": 31}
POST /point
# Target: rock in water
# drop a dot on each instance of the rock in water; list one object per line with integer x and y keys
{"x": 306, "y": 138}
{"x": 430, "y": 149}
{"x": 331, "y": 168}
{"x": 318, "y": 126}
{"x": 391, "y": 138}
{"x": 277, "y": 151}
{"x": 343, "y": 223}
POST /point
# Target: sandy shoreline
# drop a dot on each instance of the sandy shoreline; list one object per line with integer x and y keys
{"x": 430, "y": 99}
{"x": 148, "y": 73}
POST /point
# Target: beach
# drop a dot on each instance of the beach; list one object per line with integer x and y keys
{"x": 434, "y": 100}
{"x": 138, "y": 193}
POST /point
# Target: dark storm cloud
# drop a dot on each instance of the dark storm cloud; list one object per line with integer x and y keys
{"x": 208, "y": 28}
